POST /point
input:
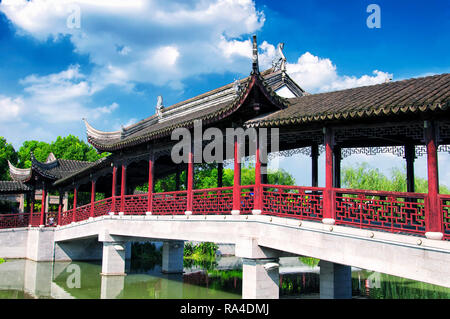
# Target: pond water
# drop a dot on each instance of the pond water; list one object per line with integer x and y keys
{"x": 221, "y": 279}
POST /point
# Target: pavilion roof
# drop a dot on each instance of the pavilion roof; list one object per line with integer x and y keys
{"x": 416, "y": 95}
{"x": 52, "y": 168}
{"x": 208, "y": 107}
{"x": 13, "y": 187}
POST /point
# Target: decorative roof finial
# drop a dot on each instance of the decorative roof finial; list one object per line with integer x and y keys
{"x": 236, "y": 86}
{"x": 255, "y": 66}
{"x": 283, "y": 60}
{"x": 159, "y": 106}
{"x": 279, "y": 63}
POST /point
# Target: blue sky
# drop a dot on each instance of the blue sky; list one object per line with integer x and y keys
{"x": 111, "y": 67}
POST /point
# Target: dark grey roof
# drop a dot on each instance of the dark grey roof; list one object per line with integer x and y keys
{"x": 211, "y": 106}
{"x": 13, "y": 187}
{"x": 52, "y": 169}
{"x": 417, "y": 95}
{"x": 58, "y": 168}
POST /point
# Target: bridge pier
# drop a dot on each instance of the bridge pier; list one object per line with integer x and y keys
{"x": 172, "y": 257}
{"x": 260, "y": 270}
{"x": 113, "y": 262}
{"x": 260, "y": 278}
{"x": 335, "y": 281}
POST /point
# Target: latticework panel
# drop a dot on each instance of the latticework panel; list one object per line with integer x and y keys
{"x": 213, "y": 201}
{"x": 381, "y": 210}
{"x": 247, "y": 199}
{"x": 135, "y": 204}
{"x": 14, "y": 220}
{"x": 292, "y": 201}
{"x": 171, "y": 203}
{"x": 445, "y": 208}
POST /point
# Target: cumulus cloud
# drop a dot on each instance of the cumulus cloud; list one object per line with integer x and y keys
{"x": 315, "y": 74}
{"x": 162, "y": 43}
{"x": 10, "y": 108}
{"x": 49, "y": 104}
{"x": 158, "y": 42}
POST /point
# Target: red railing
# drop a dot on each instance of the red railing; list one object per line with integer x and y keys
{"x": 391, "y": 211}
{"x": 82, "y": 213}
{"x": 35, "y": 219}
{"x": 66, "y": 217}
{"x": 247, "y": 199}
{"x": 102, "y": 207}
{"x": 135, "y": 204}
{"x": 445, "y": 209}
{"x": 170, "y": 203}
{"x": 14, "y": 220}
{"x": 212, "y": 201}
{"x": 293, "y": 201}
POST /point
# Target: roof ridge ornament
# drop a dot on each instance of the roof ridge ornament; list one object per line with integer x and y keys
{"x": 237, "y": 86}
{"x": 280, "y": 63}
{"x": 255, "y": 66}
{"x": 50, "y": 158}
{"x": 159, "y": 106}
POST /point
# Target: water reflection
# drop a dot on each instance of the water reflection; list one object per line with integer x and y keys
{"x": 21, "y": 279}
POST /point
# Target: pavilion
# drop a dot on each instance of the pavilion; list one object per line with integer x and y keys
{"x": 35, "y": 183}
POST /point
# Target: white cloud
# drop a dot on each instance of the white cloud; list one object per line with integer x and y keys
{"x": 10, "y": 108}
{"x": 158, "y": 42}
{"x": 316, "y": 74}
{"x": 50, "y": 105}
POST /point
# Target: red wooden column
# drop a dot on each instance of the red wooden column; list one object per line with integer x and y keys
{"x": 190, "y": 182}
{"x": 33, "y": 195}
{"x": 150, "y": 186}
{"x": 93, "y": 182}
{"x": 41, "y": 221}
{"x": 433, "y": 217}
{"x": 75, "y": 192}
{"x": 59, "y": 208}
{"x": 237, "y": 179}
{"x": 258, "y": 204}
{"x": 328, "y": 198}
{"x": 113, "y": 190}
{"x": 123, "y": 185}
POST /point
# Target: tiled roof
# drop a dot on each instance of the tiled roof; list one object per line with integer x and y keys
{"x": 52, "y": 169}
{"x": 58, "y": 168}
{"x": 417, "y": 95}
{"x": 208, "y": 107}
{"x": 13, "y": 186}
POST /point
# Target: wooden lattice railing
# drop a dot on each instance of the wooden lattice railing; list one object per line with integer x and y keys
{"x": 388, "y": 211}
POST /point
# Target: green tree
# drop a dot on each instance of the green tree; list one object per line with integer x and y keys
{"x": 7, "y": 152}
{"x": 39, "y": 149}
{"x": 69, "y": 147}
{"x": 365, "y": 177}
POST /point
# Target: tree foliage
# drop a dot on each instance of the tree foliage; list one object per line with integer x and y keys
{"x": 365, "y": 177}
{"x": 7, "y": 152}
{"x": 205, "y": 176}
{"x": 69, "y": 147}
